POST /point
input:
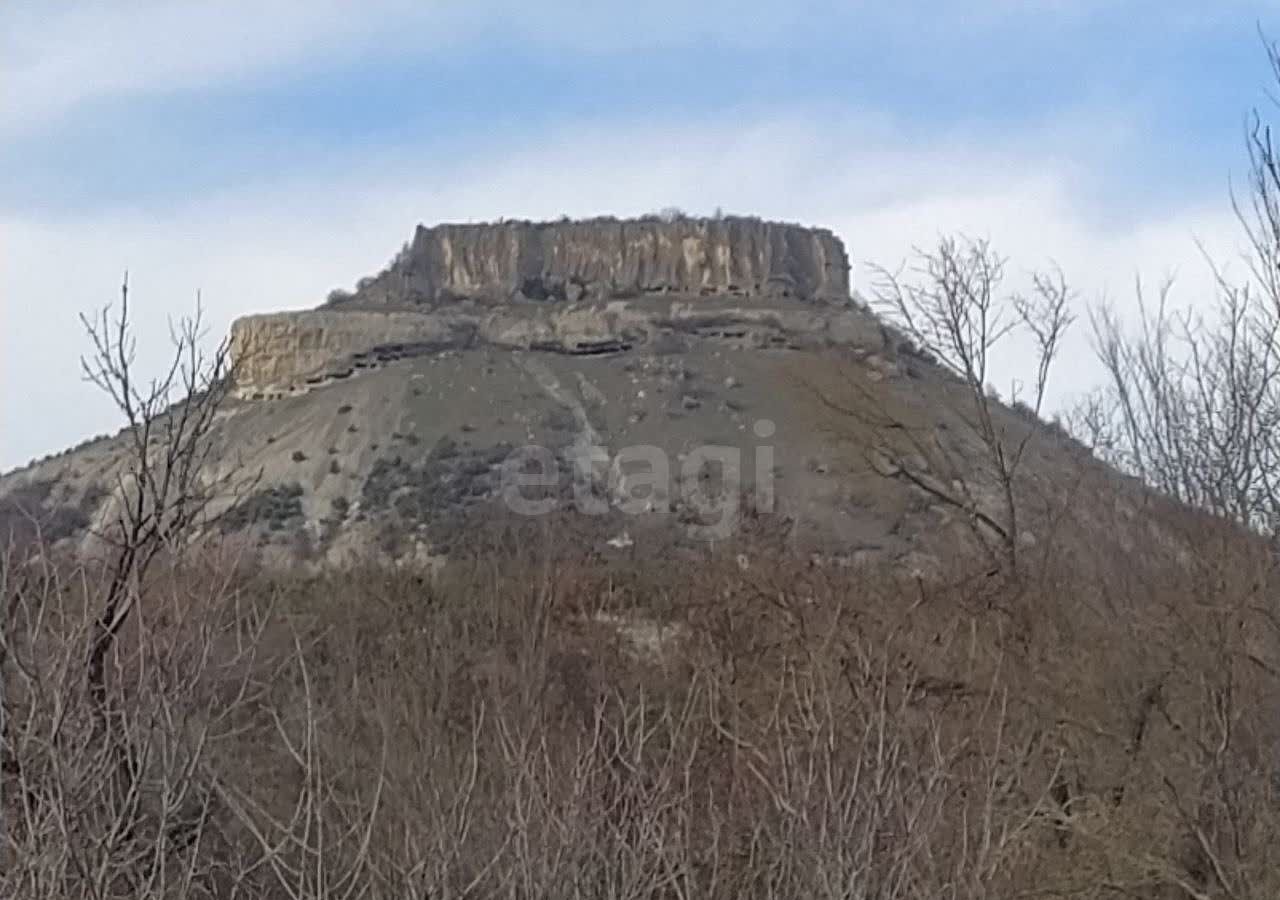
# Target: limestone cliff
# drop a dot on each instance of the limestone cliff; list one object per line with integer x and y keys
{"x": 285, "y": 353}
{"x": 604, "y": 258}
{"x": 588, "y": 287}
{"x": 274, "y": 350}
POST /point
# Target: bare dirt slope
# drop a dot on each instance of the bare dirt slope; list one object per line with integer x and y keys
{"x": 405, "y": 457}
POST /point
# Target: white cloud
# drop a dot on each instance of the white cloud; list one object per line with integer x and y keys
{"x": 57, "y": 55}
{"x": 285, "y": 245}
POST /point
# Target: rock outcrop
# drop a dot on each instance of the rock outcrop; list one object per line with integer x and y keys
{"x": 274, "y": 350}
{"x": 284, "y": 353}
{"x": 589, "y": 287}
{"x": 608, "y": 258}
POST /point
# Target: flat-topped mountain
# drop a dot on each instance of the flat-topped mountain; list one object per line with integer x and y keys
{"x": 590, "y": 287}
{"x": 726, "y": 355}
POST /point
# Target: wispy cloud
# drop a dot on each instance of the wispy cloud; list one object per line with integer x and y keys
{"x": 57, "y": 56}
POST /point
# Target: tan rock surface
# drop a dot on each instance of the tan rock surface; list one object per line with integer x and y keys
{"x": 280, "y": 353}
{"x": 604, "y": 258}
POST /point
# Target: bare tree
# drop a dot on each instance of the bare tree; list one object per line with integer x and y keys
{"x": 1191, "y": 402}
{"x": 1191, "y": 406}
{"x": 952, "y": 304}
{"x": 163, "y": 490}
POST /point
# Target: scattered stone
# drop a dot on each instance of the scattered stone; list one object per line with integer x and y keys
{"x": 816, "y": 466}
{"x": 621, "y": 541}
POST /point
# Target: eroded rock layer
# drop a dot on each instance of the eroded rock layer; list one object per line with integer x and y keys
{"x": 606, "y": 258}
{"x": 283, "y": 353}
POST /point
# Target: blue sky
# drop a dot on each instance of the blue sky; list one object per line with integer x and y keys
{"x": 265, "y": 152}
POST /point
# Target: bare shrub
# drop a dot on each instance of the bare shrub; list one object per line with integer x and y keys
{"x": 105, "y": 789}
{"x": 525, "y": 725}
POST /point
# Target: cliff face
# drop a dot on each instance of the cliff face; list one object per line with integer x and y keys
{"x": 588, "y": 287}
{"x": 284, "y": 353}
{"x": 279, "y": 348}
{"x": 605, "y": 258}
